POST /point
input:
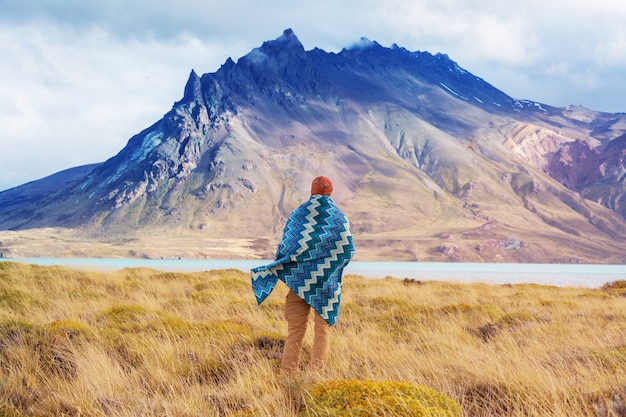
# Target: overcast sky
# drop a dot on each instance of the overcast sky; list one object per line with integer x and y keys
{"x": 78, "y": 78}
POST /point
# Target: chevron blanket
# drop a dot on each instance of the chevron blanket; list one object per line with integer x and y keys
{"x": 315, "y": 247}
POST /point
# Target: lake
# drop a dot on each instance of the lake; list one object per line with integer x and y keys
{"x": 562, "y": 275}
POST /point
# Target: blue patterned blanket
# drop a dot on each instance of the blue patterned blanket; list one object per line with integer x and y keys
{"x": 316, "y": 246}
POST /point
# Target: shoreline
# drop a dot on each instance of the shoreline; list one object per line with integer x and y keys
{"x": 561, "y": 275}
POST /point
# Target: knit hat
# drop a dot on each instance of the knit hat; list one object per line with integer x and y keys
{"x": 322, "y": 185}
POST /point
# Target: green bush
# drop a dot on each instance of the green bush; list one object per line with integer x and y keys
{"x": 369, "y": 398}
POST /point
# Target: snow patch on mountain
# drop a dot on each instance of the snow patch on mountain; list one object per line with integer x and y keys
{"x": 451, "y": 91}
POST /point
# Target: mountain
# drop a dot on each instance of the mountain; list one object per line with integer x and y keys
{"x": 429, "y": 162}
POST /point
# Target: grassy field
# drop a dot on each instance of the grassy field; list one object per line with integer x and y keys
{"x": 139, "y": 342}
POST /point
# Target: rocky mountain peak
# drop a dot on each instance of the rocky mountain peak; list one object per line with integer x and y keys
{"x": 288, "y": 41}
{"x": 364, "y": 44}
{"x": 193, "y": 89}
{"x": 424, "y": 155}
{"x": 278, "y": 51}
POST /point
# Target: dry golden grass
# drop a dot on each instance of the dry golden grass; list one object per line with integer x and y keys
{"x": 139, "y": 342}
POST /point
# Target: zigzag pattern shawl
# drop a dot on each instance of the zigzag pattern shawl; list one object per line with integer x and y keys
{"x": 316, "y": 246}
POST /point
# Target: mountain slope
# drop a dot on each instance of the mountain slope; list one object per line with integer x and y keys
{"x": 428, "y": 160}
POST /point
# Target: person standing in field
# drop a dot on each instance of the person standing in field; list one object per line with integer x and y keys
{"x": 316, "y": 246}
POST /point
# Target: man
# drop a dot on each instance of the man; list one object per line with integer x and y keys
{"x": 315, "y": 248}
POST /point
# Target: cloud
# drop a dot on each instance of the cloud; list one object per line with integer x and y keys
{"x": 76, "y": 97}
{"x": 81, "y": 77}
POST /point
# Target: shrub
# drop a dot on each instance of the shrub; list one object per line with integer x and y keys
{"x": 368, "y": 398}
{"x": 615, "y": 287}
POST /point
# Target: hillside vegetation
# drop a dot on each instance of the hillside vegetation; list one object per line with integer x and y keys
{"x": 140, "y": 342}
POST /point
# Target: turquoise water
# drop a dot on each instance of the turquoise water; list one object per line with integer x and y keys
{"x": 562, "y": 275}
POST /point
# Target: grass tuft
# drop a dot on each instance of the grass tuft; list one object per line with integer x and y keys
{"x": 369, "y": 398}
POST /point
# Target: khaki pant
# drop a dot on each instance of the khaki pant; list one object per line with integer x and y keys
{"x": 297, "y": 315}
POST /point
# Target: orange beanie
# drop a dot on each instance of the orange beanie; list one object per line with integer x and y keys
{"x": 322, "y": 185}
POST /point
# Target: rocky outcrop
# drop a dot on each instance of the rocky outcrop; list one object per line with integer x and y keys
{"x": 597, "y": 174}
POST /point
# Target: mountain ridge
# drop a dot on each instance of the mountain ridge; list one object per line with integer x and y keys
{"x": 429, "y": 162}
